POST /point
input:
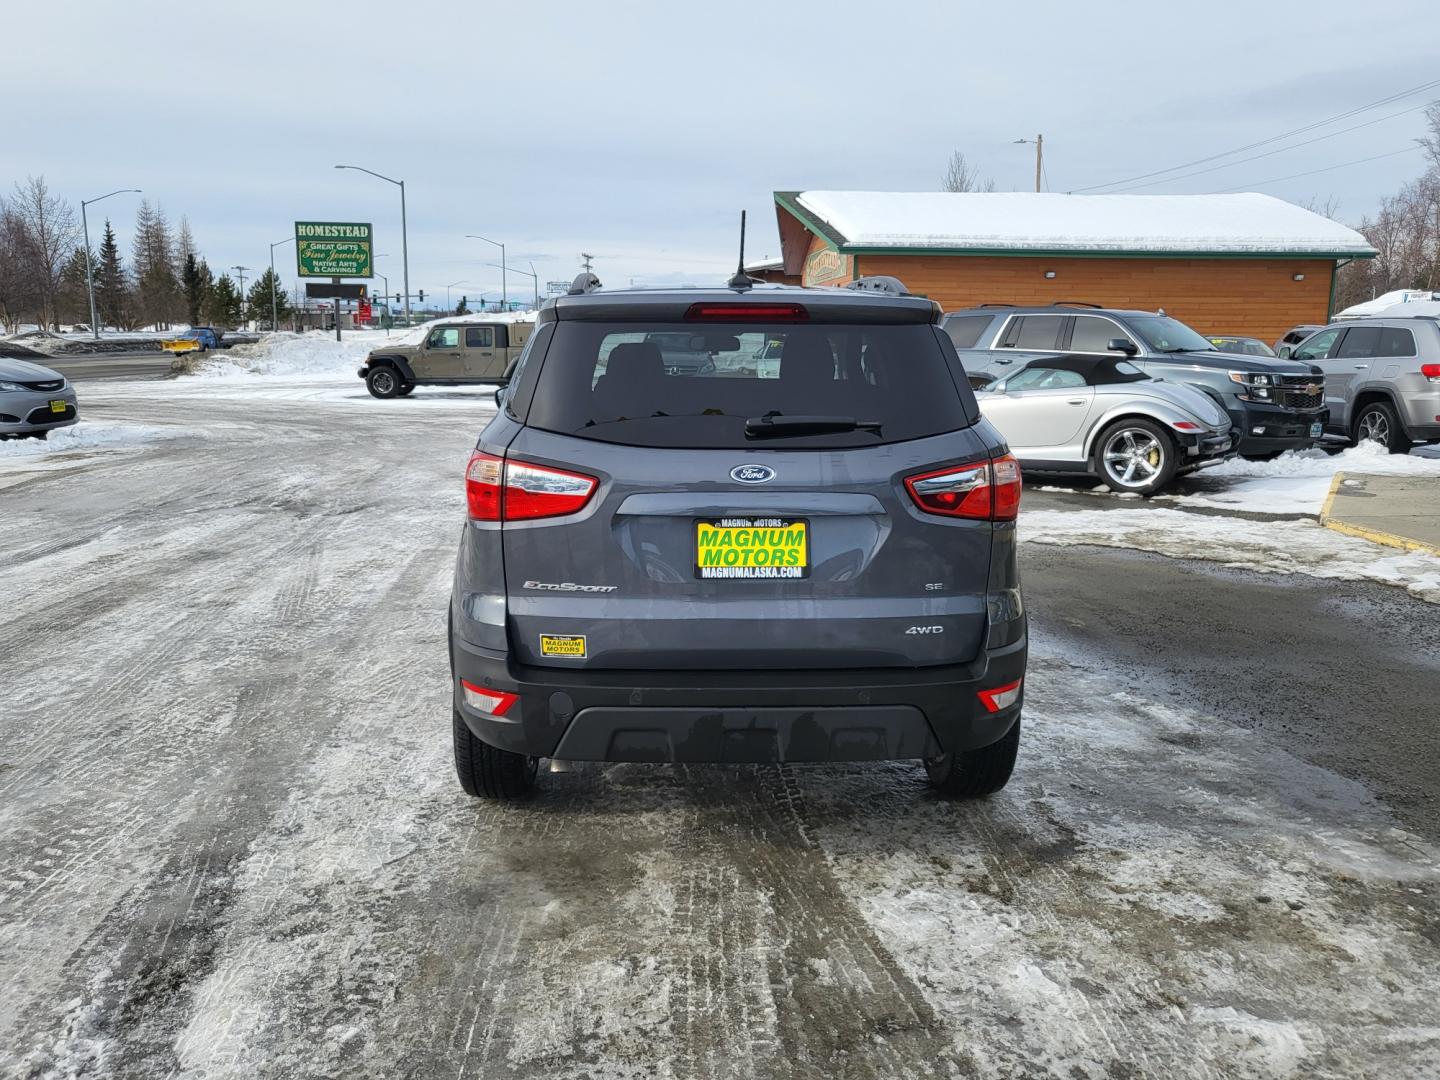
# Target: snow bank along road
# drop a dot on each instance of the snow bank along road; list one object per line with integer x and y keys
{"x": 231, "y": 844}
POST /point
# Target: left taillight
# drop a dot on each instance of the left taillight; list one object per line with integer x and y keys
{"x": 498, "y": 490}
{"x": 483, "y": 699}
{"x": 986, "y": 491}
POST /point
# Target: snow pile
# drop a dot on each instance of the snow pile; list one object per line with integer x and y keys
{"x": 314, "y": 353}
{"x": 1269, "y": 547}
{"x": 1294, "y": 483}
{"x": 88, "y": 435}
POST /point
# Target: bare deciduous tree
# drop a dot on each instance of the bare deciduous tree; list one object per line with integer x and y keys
{"x": 50, "y": 235}
{"x": 961, "y": 176}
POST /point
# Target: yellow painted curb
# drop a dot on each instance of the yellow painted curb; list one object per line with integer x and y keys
{"x": 1375, "y": 536}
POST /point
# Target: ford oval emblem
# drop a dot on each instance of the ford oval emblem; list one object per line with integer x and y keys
{"x": 752, "y": 474}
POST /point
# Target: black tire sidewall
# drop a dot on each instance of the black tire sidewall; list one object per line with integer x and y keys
{"x": 380, "y": 375}
{"x": 1167, "y": 467}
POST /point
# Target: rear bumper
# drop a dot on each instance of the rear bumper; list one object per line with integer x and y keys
{"x": 740, "y": 716}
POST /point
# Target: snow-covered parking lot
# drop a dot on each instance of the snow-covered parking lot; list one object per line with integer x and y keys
{"x": 231, "y": 842}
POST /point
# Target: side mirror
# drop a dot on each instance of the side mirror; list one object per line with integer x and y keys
{"x": 1284, "y": 352}
{"x": 1124, "y": 345}
{"x": 500, "y": 395}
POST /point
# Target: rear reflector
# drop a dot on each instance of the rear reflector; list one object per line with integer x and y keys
{"x": 747, "y": 313}
{"x": 1001, "y": 697}
{"x": 497, "y": 490}
{"x": 494, "y": 702}
{"x": 988, "y": 491}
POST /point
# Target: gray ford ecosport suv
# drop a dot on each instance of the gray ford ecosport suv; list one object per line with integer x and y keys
{"x": 666, "y": 564}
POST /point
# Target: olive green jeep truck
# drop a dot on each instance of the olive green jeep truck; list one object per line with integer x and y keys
{"x": 461, "y": 353}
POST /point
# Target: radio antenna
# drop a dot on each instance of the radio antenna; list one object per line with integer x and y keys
{"x": 741, "y": 280}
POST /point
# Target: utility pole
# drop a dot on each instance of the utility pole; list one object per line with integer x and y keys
{"x": 585, "y": 258}
{"x": 89, "y": 270}
{"x": 1039, "y": 142}
{"x": 244, "y": 315}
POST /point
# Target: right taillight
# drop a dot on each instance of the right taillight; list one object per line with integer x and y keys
{"x": 497, "y": 490}
{"x": 986, "y": 491}
{"x": 1431, "y": 371}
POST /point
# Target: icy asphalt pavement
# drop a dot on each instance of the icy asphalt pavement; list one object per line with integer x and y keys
{"x": 231, "y": 843}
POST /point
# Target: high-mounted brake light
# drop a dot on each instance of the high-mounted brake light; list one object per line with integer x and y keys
{"x": 773, "y": 313}
{"x": 497, "y": 490}
{"x": 483, "y": 699}
{"x": 986, "y": 491}
{"x": 1000, "y": 697}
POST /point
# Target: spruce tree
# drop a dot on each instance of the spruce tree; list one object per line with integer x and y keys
{"x": 73, "y": 296}
{"x": 111, "y": 291}
{"x": 224, "y": 304}
{"x": 194, "y": 285}
{"x": 258, "y": 300}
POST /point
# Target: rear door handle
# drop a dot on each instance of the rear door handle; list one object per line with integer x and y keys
{"x": 1075, "y": 401}
{"x": 1361, "y": 367}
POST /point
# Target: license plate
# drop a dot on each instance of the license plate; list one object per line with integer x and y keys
{"x": 57, "y": 406}
{"x": 752, "y": 548}
{"x": 1315, "y": 430}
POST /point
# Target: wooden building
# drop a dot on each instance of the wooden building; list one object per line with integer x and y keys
{"x": 1225, "y": 264}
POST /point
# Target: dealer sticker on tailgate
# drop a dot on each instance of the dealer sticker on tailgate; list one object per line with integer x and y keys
{"x": 571, "y": 645}
{"x": 752, "y": 548}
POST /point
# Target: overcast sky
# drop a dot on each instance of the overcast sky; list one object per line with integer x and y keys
{"x": 637, "y": 131}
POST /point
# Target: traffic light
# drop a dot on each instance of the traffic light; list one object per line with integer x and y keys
{"x": 397, "y": 298}
{"x": 422, "y": 296}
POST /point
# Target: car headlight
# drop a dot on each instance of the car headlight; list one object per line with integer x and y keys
{"x": 1256, "y": 384}
{"x": 12, "y": 386}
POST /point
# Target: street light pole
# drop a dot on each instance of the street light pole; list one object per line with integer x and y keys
{"x": 1039, "y": 142}
{"x": 448, "y": 309}
{"x": 532, "y": 274}
{"x": 404, "y": 230}
{"x": 504, "y": 289}
{"x": 274, "y": 305}
{"x": 89, "y": 270}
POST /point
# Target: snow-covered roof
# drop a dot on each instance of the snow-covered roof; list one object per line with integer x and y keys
{"x": 1383, "y": 303}
{"x": 1052, "y": 223}
{"x": 764, "y": 264}
{"x": 1413, "y": 307}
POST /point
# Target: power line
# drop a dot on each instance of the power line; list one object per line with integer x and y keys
{"x": 1274, "y": 138}
{"x": 1284, "y": 149}
{"x": 1327, "y": 168}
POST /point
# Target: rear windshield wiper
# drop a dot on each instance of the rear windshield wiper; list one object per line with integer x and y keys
{"x": 757, "y": 427}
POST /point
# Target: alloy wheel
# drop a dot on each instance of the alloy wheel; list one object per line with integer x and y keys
{"x": 1375, "y": 427}
{"x": 1133, "y": 457}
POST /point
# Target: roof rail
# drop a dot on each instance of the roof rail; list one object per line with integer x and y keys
{"x": 994, "y": 305}
{"x": 881, "y": 283}
{"x": 585, "y": 282}
{"x": 1076, "y": 303}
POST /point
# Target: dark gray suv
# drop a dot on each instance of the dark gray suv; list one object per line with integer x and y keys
{"x": 811, "y": 563}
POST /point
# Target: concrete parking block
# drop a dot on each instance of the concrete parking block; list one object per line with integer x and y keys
{"x": 1399, "y": 511}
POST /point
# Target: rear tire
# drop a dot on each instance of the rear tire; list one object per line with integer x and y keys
{"x": 382, "y": 382}
{"x": 1135, "y": 457}
{"x": 1377, "y": 422}
{"x": 969, "y": 774}
{"x": 488, "y": 773}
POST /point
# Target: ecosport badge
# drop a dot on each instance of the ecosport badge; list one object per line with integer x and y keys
{"x": 752, "y": 474}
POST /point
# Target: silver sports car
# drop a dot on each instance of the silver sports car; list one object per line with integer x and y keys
{"x": 1103, "y": 416}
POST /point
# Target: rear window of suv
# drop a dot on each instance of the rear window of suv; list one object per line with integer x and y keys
{"x": 619, "y": 383}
